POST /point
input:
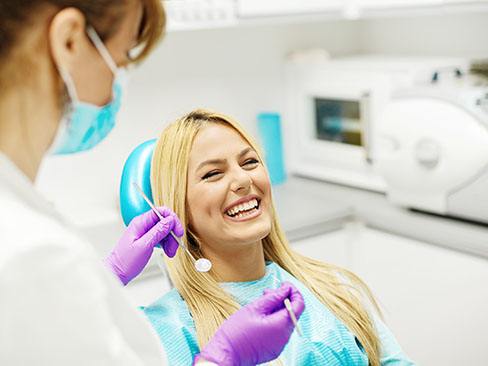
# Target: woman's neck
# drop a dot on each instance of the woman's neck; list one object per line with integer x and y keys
{"x": 24, "y": 133}
{"x": 244, "y": 264}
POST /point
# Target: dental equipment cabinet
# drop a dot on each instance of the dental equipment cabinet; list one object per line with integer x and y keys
{"x": 414, "y": 128}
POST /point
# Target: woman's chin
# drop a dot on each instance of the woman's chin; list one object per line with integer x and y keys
{"x": 251, "y": 234}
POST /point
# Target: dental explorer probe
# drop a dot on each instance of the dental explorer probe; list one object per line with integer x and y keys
{"x": 201, "y": 264}
{"x": 292, "y": 316}
{"x": 290, "y": 310}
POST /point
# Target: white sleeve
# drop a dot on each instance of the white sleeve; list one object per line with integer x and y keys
{"x": 54, "y": 311}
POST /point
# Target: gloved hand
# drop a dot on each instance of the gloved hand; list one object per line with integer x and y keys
{"x": 258, "y": 332}
{"x": 134, "y": 249}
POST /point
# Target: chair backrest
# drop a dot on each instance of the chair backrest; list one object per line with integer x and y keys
{"x": 137, "y": 169}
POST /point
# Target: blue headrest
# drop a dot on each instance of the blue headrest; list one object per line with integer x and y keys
{"x": 137, "y": 169}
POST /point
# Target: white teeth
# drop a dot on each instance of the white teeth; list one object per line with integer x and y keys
{"x": 243, "y": 207}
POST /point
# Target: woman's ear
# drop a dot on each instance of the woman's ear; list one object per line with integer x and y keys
{"x": 67, "y": 37}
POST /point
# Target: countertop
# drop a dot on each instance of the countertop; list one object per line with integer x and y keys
{"x": 316, "y": 206}
{"x": 306, "y": 210}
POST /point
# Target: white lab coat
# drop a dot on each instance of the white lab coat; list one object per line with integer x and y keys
{"x": 58, "y": 304}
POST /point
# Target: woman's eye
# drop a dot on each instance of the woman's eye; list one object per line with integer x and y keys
{"x": 251, "y": 162}
{"x": 211, "y": 174}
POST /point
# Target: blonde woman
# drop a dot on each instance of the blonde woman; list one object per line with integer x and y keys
{"x": 209, "y": 171}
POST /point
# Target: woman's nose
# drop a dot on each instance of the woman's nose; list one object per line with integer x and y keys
{"x": 241, "y": 181}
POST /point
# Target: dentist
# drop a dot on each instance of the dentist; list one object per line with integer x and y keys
{"x": 60, "y": 67}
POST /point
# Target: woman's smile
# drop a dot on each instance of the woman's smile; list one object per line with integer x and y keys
{"x": 244, "y": 209}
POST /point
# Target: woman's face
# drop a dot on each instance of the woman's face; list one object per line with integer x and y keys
{"x": 228, "y": 191}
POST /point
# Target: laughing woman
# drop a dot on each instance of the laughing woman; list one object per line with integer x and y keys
{"x": 210, "y": 172}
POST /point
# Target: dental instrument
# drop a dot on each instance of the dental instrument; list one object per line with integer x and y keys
{"x": 292, "y": 316}
{"x": 290, "y": 310}
{"x": 200, "y": 264}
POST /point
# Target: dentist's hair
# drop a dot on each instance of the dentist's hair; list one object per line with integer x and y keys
{"x": 20, "y": 18}
{"x": 340, "y": 290}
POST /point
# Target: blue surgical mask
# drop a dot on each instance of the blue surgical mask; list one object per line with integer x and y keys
{"x": 83, "y": 124}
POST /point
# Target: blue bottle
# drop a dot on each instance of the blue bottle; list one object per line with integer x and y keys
{"x": 269, "y": 128}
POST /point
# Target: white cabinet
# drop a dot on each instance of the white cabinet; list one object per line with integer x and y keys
{"x": 390, "y": 4}
{"x": 434, "y": 299}
{"x": 412, "y": 4}
{"x": 256, "y": 8}
{"x": 341, "y": 8}
{"x": 207, "y": 14}
{"x": 465, "y": 1}
{"x": 199, "y": 14}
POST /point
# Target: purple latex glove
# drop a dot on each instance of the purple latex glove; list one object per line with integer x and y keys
{"x": 258, "y": 332}
{"x": 134, "y": 249}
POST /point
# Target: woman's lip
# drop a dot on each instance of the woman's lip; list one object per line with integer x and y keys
{"x": 247, "y": 217}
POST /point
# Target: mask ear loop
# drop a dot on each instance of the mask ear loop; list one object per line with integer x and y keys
{"x": 102, "y": 49}
{"x": 70, "y": 85}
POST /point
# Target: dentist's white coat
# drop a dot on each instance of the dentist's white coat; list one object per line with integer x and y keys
{"x": 58, "y": 305}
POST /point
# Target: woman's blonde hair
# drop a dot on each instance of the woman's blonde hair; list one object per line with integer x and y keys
{"x": 338, "y": 289}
